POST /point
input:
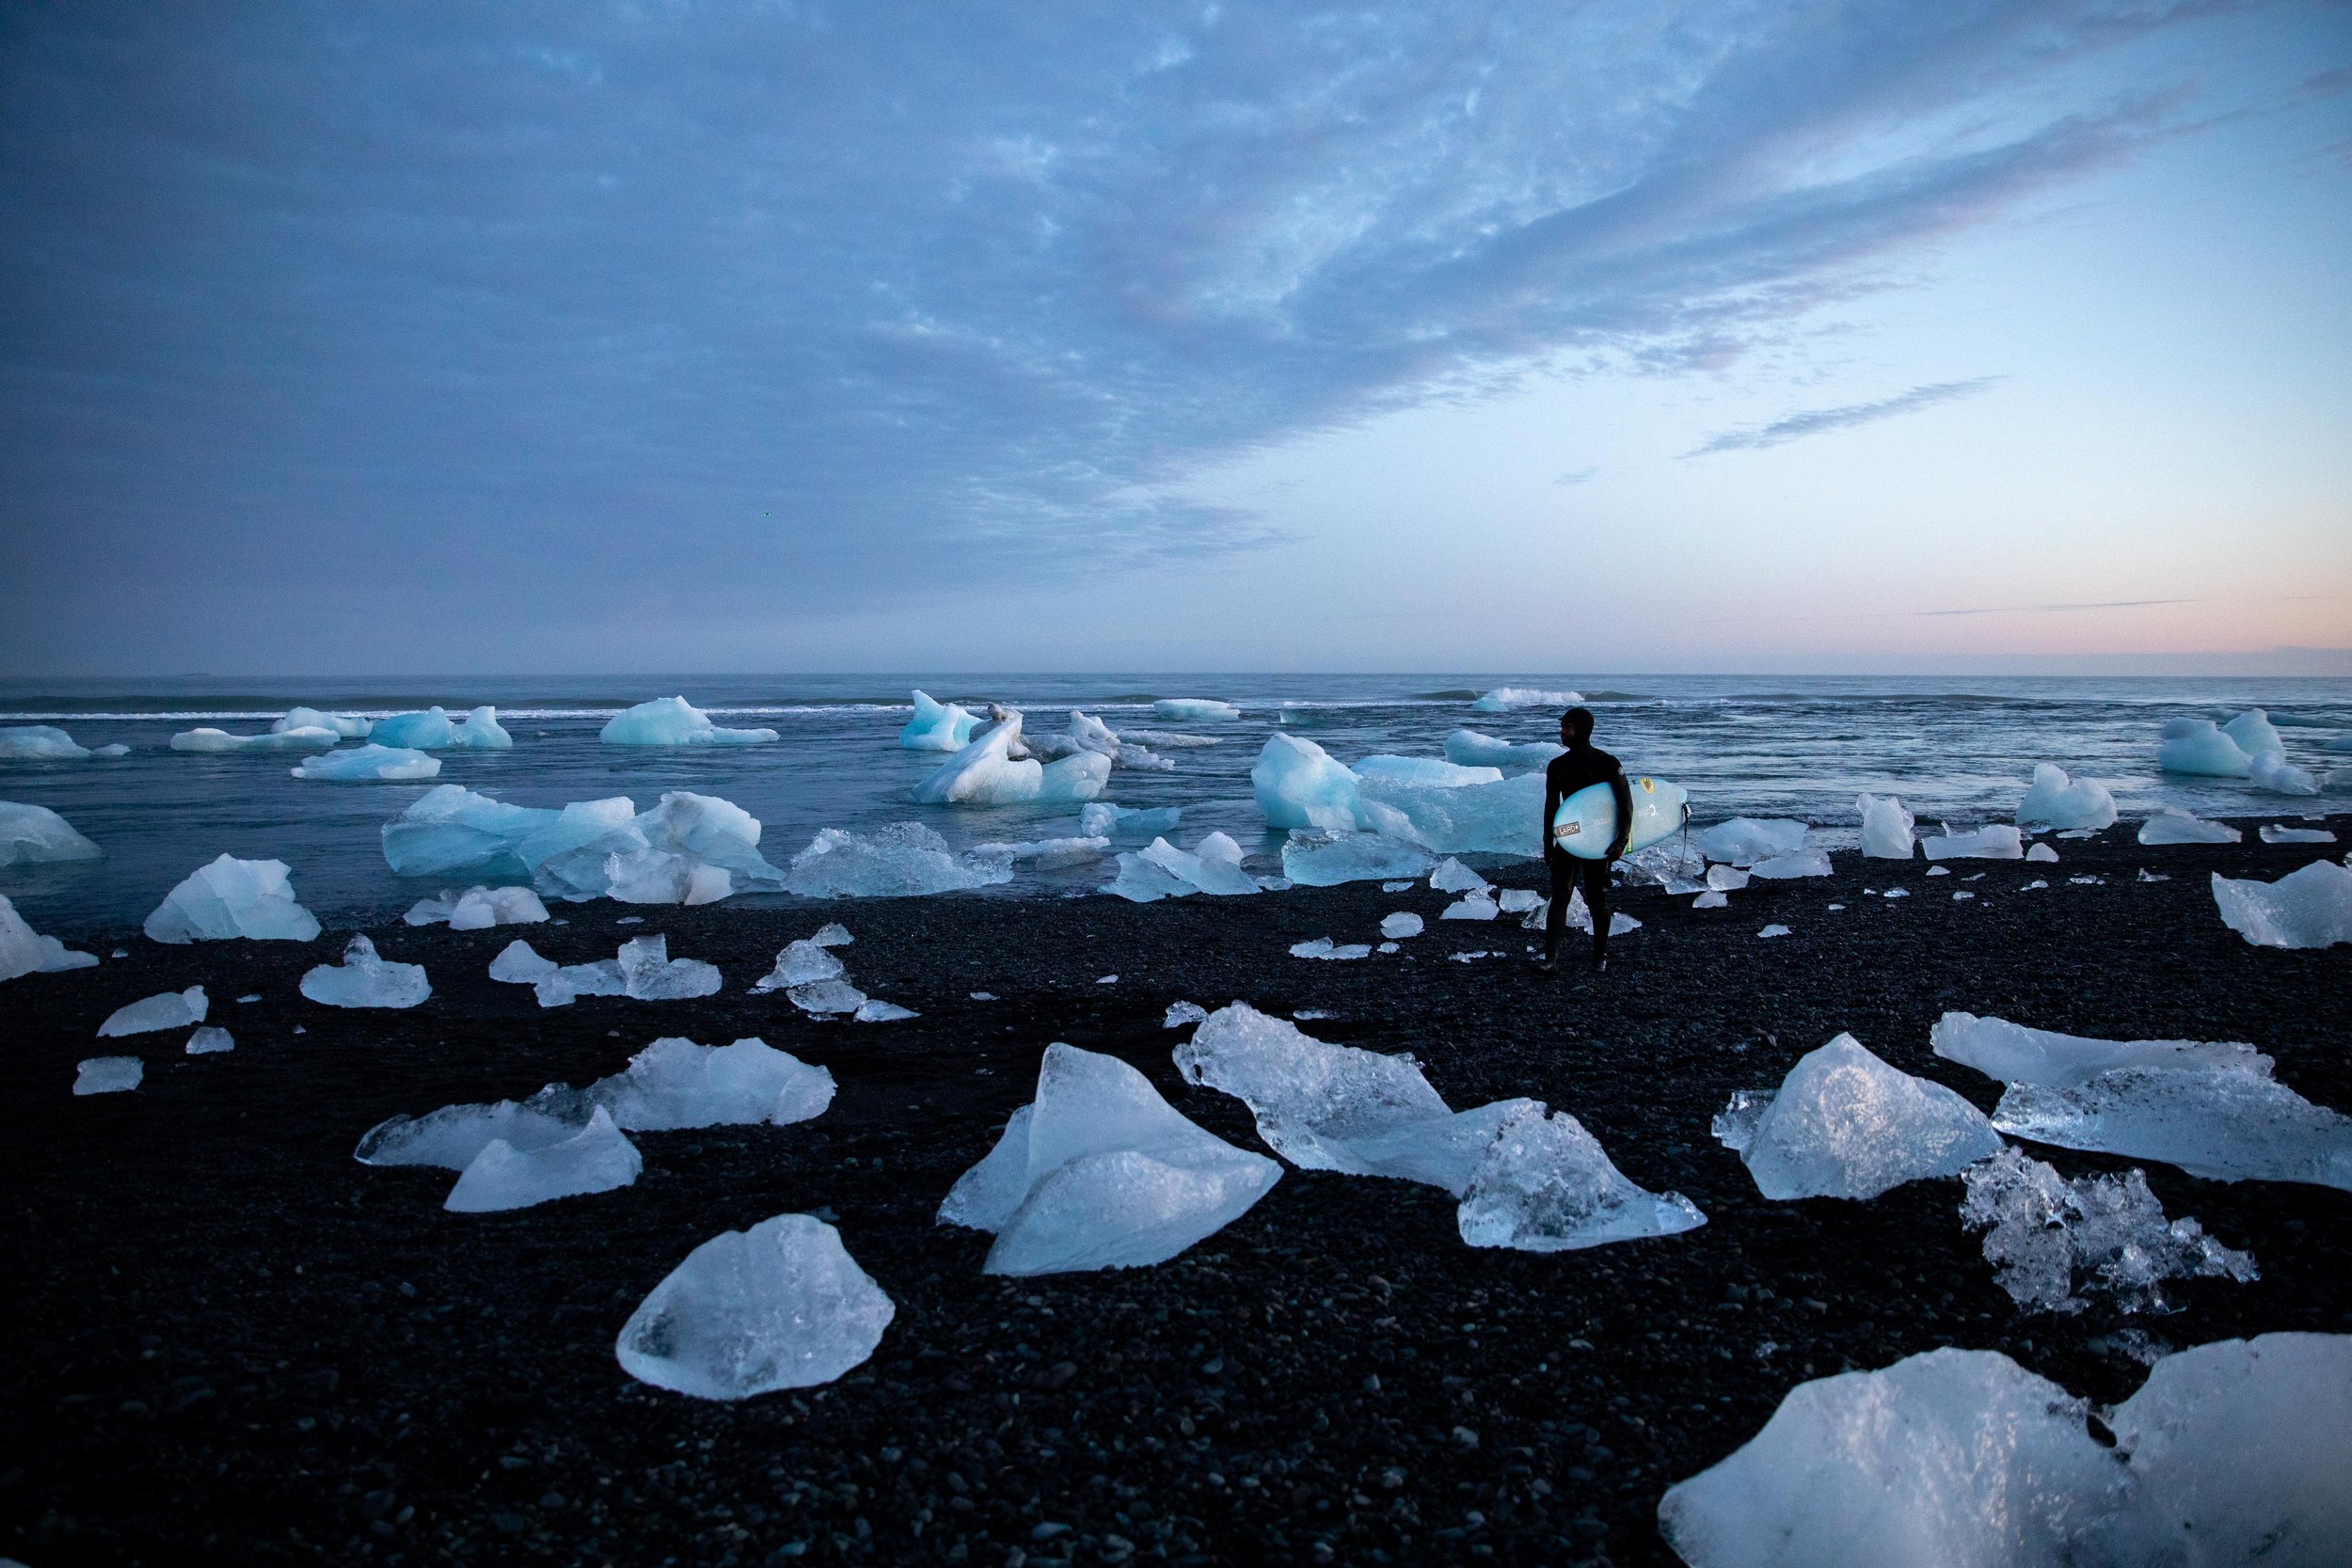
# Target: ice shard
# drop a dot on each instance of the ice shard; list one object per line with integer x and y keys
{"x": 1845, "y": 1124}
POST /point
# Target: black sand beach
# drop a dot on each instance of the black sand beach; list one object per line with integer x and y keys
{"x": 233, "y": 1345}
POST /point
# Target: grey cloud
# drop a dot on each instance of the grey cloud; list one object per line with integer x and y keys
{"x": 1815, "y": 422}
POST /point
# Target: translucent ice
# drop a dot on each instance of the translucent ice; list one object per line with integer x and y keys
{"x": 38, "y": 743}
{"x": 1181, "y": 1013}
{"x": 1452, "y": 875}
{"x": 832, "y": 934}
{"x": 351, "y": 726}
{"x": 2272, "y": 832}
{"x": 1545, "y": 1185}
{"x": 674, "y": 722}
{"x": 209, "y": 740}
{"x": 1745, "y": 840}
{"x": 1324, "y": 947}
{"x": 2043, "y": 1231}
{"x": 688, "y": 850}
{"x": 1101, "y": 820}
{"x": 454, "y": 1137}
{"x": 1162, "y": 871}
{"x": 2016, "y": 1054}
{"x": 1491, "y": 818}
{"x": 1726, "y": 879}
{"x": 1473, "y": 749}
{"x": 433, "y": 729}
{"x": 2171, "y": 825}
{"x": 1845, "y": 1124}
{"x": 2311, "y": 908}
{"x": 801, "y": 963}
{"x": 1090, "y": 734}
{"x": 2254, "y": 733}
{"x": 371, "y": 762}
{"x": 2056, "y": 801}
{"x": 1100, "y": 1172}
{"x": 1299, "y": 784}
{"x": 478, "y": 908}
{"x": 597, "y": 1159}
{"x": 2272, "y": 770}
{"x": 2225, "y": 1126}
{"x": 1045, "y": 852}
{"x": 1401, "y": 925}
{"x": 1429, "y": 773}
{"x": 1805, "y": 863}
{"x": 937, "y": 726}
{"x": 1314, "y": 859}
{"x": 648, "y": 973}
{"x": 1994, "y": 841}
{"x": 1774, "y": 930}
{"x": 519, "y": 963}
{"x": 1520, "y": 900}
{"x": 171, "y": 1009}
{"x": 233, "y": 898}
{"x": 451, "y": 829}
{"x": 675, "y": 1084}
{"x": 2199, "y": 745}
{"x": 2041, "y": 853}
{"x": 875, "y": 1010}
{"x": 903, "y": 860}
{"x": 35, "y": 836}
{"x": 834, "y": 997}
{"x": 1473, "y": 906}
{"x": 987, "y": 773}
{"x": 109, "y": 1074}
{"x": 365, "y": 980}
{"x": 209, "y": 1039}
{"x": 25, "y": 951}
{"x": 1885, "y": 827}
{"x": 1194, "y": 707}
{"x": 780, "y": 1305}
{"x": 1710, "y": 899}
{"x": 1502, "y": 699}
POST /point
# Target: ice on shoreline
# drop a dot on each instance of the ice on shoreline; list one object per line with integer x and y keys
{"x": 35, "y": 836}
{"x": 365, "y": 980}
{"x": 2198, "y": 746}
{"x": 675, "y": 722}
{"x": 1163, "y": 871}
{"x": 1102, "y": 819}
{"x": 109, "y": 1074}
{"x": 2054, "y": 800}
{"x": 170, "y": 1009}
{"x": 2311, "y": 908}
{"x": 2044, "y": 1233}
{"x": 597, "y": 1159}
{"x": 1994, "y": 841}
{"x": 903, "y": 860}
{"x": 1886, "y": 828}
{"x": 1311, "y": 858}
{"x": 1845, "y": 1124}
{"x": 1744, "y": 841}
{"x": 2016, "y": 1054}
{"x": 231, "y": 899}
{"x": 2171, "y": 825}
{"x": 25, "y": 951}
{"x": 478, "y": 908}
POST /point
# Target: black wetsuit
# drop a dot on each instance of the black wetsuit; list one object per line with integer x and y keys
{"x": 1579, "y": 768}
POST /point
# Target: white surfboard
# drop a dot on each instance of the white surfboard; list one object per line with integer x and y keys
{"x": 1586, "y": 823}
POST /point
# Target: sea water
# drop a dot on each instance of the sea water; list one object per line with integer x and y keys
{"x": 1957, "y": 749}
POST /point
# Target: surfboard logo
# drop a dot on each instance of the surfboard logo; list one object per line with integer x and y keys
{"x": 1649, "y": 786}
{"x": 1567, "y": 828}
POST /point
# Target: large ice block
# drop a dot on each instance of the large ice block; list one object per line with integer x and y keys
{"x": 1845, "y": 1124}
{"x": 365, "y": 980}
{"x": 39, "y": 743}
{"x": 35, "y": 836}
{"x": 1299, "y": 784}
{"x": 2171, "y": 825}
{"x": 675, "y": 722}
{"x": 370, "y": 763}
{"x": 1314, "y": 859}
{"x": 452, "y": 829}
{"x": 2311, "y": 908}
{"x": 2046, "y": 1236}
{"x": 25, "y": 951}
{"x": 1745, "y": 840}
{"x": 1885, "y": 827}
{"x": 2225, "y": 1126}
{"x": 2054, "y": 800}
{"x": 597, "y": 1159}
{"x": 1473, "y": 749}
{"x": 454, "y": 1137}
{"x": 2016, "y": 1054}
{"x": 903, "y": 860}
{"x": 2199, "y": 745}
{"x": 233, "y": 898}
{"x": 1501, "y": 818}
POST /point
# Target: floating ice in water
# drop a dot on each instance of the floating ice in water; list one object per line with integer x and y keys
{"x": 434, "y": 730}
{"x": 1778, "y": 930}
{"x": 1502, "y": 699}
{"x": 1994, "y": 841}
{"x": 1452, "y": 875}
{"x": 1474, "y": 905}
{"x": 1090, "y": 734}
{"x": 1547, "y": 1185}
{"x": 1845, "y": 1124}
{"x": 1163, "y": 871}
{"x": 364, "y": 980}
{"x": 45, "y": 743}
{"x": 171, "y": 1009}
{"x": 349, "y": 726}
{"x": 451, "y": 828}
{"x": 369, "y": 763}
{"x": 1805, "y": 863}
{"x": 903, "y": 860}
{"x": 2040, "y": 853}
{"x": 478, "y": 908}
{"x": 937, "y": 726}
{"x": 1174, "y": 739}
{"x": 2254, "y": 733}
{"x": 1710, "y": 899}
{"x": 109, "y": 1074}
{"x": 597, "y": 1159}
{"x": 2222, "y": 1125}
{"x": 35, "y": 836}
{"x": 209, "y": 740}
{"x": 1299, "y": 784}
{"x": 1102, "y": 819}
{"x": 2272, "y": 832}
{"x": 1400, "y": 925}
{"x": 985, "y": 774}
{"x": 1181, "y": 1013}
{"x": 1427, "y": 771}
{"x": 1194, "y": 707}
{"x": 1473, "y": 749}
{"x": 779, "y": 1305}
{"x": 674, "y": 722}
{"x": 2171, "y": 825}
{"x": 2232, "y": 1452}
{"x": 801, "y": 963}
{"x": 2042, "y": 1232}
{"x": 2056, "y": 801}
{"x": 1725, "y": 878}
{"x": 519, "y": 963}
{"x": 1045, "y": 853}
{"x": 2311, "y": 908}
{"x": 1885, "y": 827}
{"x": 25, "y": 951}
{"x": 2016, "y": 1054}
{"x": 1324, "y": 947}
{"x": 1745, "y": 840}
{"x": 1493, "y": 818}
{"x": 233, "y": 898}
{"x": 2272, "y": 770}
{"x": 1100, "y": 1172}
{"x": 1314, "y": 859}
{"x": 2199, "y": 745}
{"x": 675, "y": 1084}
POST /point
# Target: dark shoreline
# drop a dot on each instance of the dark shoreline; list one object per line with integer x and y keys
{"x": 236, "y": 1345}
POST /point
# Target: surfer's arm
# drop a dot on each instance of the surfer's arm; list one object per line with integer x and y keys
{"x": 1624, "y": 793}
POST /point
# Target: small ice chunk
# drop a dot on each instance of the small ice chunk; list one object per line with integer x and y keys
{"x": 2016, "y": 1054}
{"x": 1475, "y": 905}
{"x": 937, "y": 726}
{"x": 35, "y": 836}
{"x": 1047, "y": 853}
{"x": 1452, "y": 875}
{"x": 1779, "y": 930}
{"x": 25, "y": 951}
{"x": 2028, "y": 887}
{"x": 832, "y": 934}
{"x": 1102, "y": 819}
{"x": 779, "y": 1305}
{"x": 519, "y": 963}
{"x": 1547, "y": 1185}
{"x": 478, "y": 908}
{"x": 351, "y": 726}
{"x": 1473, "y": 749}
{"x": 1994, "y": 841}
{"x": 2272, "y": 770}
{"x": 674, "y": 722}
{"x": 171, "y": 1009}
{"x": 1194, "y": 707}
{"x": 1886, "y": 828}
{"x": 903, "y": 860}
{"x": 2170, "y": 825}
{"x": 1502, "y": 699}
{"x": 364, "y": 980}
{"x": 875, "y": 1011}
{"x": 233, "y": 898}
{"x": 1580, "y": 917}
{"x": 109, "y": 1074}
{"x": 827, "y": 998}
{"x": 1520, "y": 900}
{"x": 208, "y": 740}
{"x": 370, "y": 763}
{"x": 1945, "y": 870}
{"x": 1181, "y": 1013}
{"x": 1100, "y": 1172}
{"x": 801, "y": 963}
{"x": 597, "y": 1159}
{"x": 2041, "y": 854}
{"x": 2277, "y": 832}
{"x": 1745, "y": 840}
{"x": 983, "y": 996}
{"x": 673, "y": 1085}
{"x": 649, "y": 973}
{"x": 1805, "y": 863}
{"x": 1962, "y": 898}
{"x": 2054, "y": 800}
{"x": 1725, "y": 878}
{"x": 210, "y": 1039}
{"x": 1845, "y": 1124}
{"x": 1401, "y": 925}
{"x": 2199, "y": 745}
{"x": 2148, "y": 875}
{"x": 1404, "y": 886}
{"x": 1896, "y": 892}
{"x": 1710, "y": 899}
{"x": 453, "y": 1137}
{"x": 1212, "y": 865}
{"x": 2311, "y": 908}
{"x": 1314, "y": 858}
{"x": 1389, "y": 947}
{"x": 2043, "y": 1231}
{"x": 41, "y": 743}
{"x": 1324, "y": 947}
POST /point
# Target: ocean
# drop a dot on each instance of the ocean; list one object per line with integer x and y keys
{"x": 1954, "y": 749}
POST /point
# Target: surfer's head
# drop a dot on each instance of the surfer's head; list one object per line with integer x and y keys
{"x": 1576, "y": 726}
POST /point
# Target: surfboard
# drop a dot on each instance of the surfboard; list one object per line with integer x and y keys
{"x": 1586, "y": 822}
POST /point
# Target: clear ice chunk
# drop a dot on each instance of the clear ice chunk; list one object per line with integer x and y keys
{"x": 1845, "y": 1124}
{"x": 109, "y": 1074}
{"x": 2171, "y": 825}
{"x": 1547, "y": 1185}
{"x": 595, "y": 1159}
{"x": 365, "y": 980}
{"x": 832, "y": 934}
{"x": 2272, "y": 832}
{"x": 2041, "y": 854}
{"x": 1994, "y": 841}
{"x": 937, "y": 726}
{"x": 1314, "y": 858}
{"x": 2016, "y": 1054}
{"x": 519, "y": 963}
{"x": 25, "y": 951}
{"x": 454, "y": 1137}
{"x": 451, "y": 829}
{"x": 35, "y": 836}
{"x": 2222, "y": 1125}
{"x": 1474, "y": 905}
{"x": 1163, "y": 871}
{"x": 1429, "y": 773}
{"x": 1401, "y": 925}
{"x": 2254, "y": 733}
{"x": 991, "y": 771}
{"x": 1745, "y": 840}
{"x": 903, "y": 860}
{"x": 1102, "y": 819}
{"x": 801, "y": 963}
{"x": 1181, "y": 1013}
{"x": 2311, "y": 908}
{"x": 1452, "y": 875}
{"x": 233, "y": 898}
{"x": 1324, "y": 947}
{"x": 171, "y": 1009}
{"x": 1804, "y": 863}
{"x": 675, "y": 1084}
{"x": 675, "y": 722}
{"x": 827, "y": 998}
{"x": 2045, "y": 1235}
{"x": 209, "y": 1039}
{"x": 478, "y": 908}
{"x": 649, "y": 973}
{"x": 1726, "y": 879}
{"x": 2054, "y": 800}
{"x": 1886, "y": 828}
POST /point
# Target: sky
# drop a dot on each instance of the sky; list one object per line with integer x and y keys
{"x": 346, "y": 339}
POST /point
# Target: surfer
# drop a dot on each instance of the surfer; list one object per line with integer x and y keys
{"x": 1581, "y": 765}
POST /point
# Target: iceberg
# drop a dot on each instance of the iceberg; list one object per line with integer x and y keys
{"x": 25, "y": 951}
{"x": 2311, "y": 908}
{"x": 2171, "y": 825}
{"x": 1427, "y": 773}
{"x": 2254, "y": 733}
{"x": 42, "y": 743}
{"x": 1099, "y": 1172}
{"x": 171, "y": 1009}
{"x": 1994, "y": 841}
{"x": 936, "y": 726}
{"x": 1473, "y": 749}
{"x": 2016, "y": 1054}
{"x": 1502, "y": 699}
{"x": 1324, "y": 947}
{"x": 1805, "y": 863}
{"x": 209, "y": 1039}
{"x": 1102, "y": 819}
{"x": 349, "y": 726}
{"x": 1885, "y": 827}
{"x": 1194, "y": 707}
{"x": 109, "y": 1074}
{"x": 364, "y": 980}
{"x": 2272, "y": 770}
{"x": 1312, "y": 858}
{"x": 2054, "y": 799}
{"x": 2042, "y": 1232}
{"x": 519, "y": 964}
{"x": 782, "y": 1304}
{"x": 2199, "y": 745}
{"x": 1845, "y": 1124}
{"x": 478, "y": 908}
{"x": 597, "y": 1159}
{"x": 233, "y": 898}
{"x": 675, "y": 1085}
{"x": 452, "y": 829}
{"x": 674, "y": 722}
{"x": 987, "y": 773}
{"x": 1745, "y": 840}
{"x": 2222, "y": 1125}
{"x": 35, "y": 836}
{"x": 370, "y": 762}
{"x": 2272, "y": 832}
{"x": 433, "y": 729}
{"x": 1299, "y": 784}
{"x": 904, "y": 860}
{"x": 208, "y": 740}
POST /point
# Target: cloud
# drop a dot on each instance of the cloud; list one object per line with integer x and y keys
{"x": 1814, "y": 421}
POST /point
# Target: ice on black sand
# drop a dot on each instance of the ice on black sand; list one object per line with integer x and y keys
{"x": 108, "y": 1075}
{"x": 595, "y": 1159}
{"x": 1886, "y": 828}
{"x": 2044, "y": 1234}
{"x": 2069, "y": 804}
{"x": 642, "y": 971}
{"x": 519, "y": 963}
{"x": 2311, "y": 908}
{"x": 1163, "y": 871}
{"x": 2272, "y": 832}
{"x": 209, "y": 1039}
{"x": 1324, "y": 947}
{"x": 1400, "y": 925}
{"x": 478, "y": 908}
{"x": 1845, "y": 1124}
{"x": 233, "y": 898}
{"x": 171, "y": 1009}
{"x": 1314, "y": 858}
{"x": 1181, "y": 1013}
{"x": 904, "y": 860}
{"x": 365, "y": 980}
